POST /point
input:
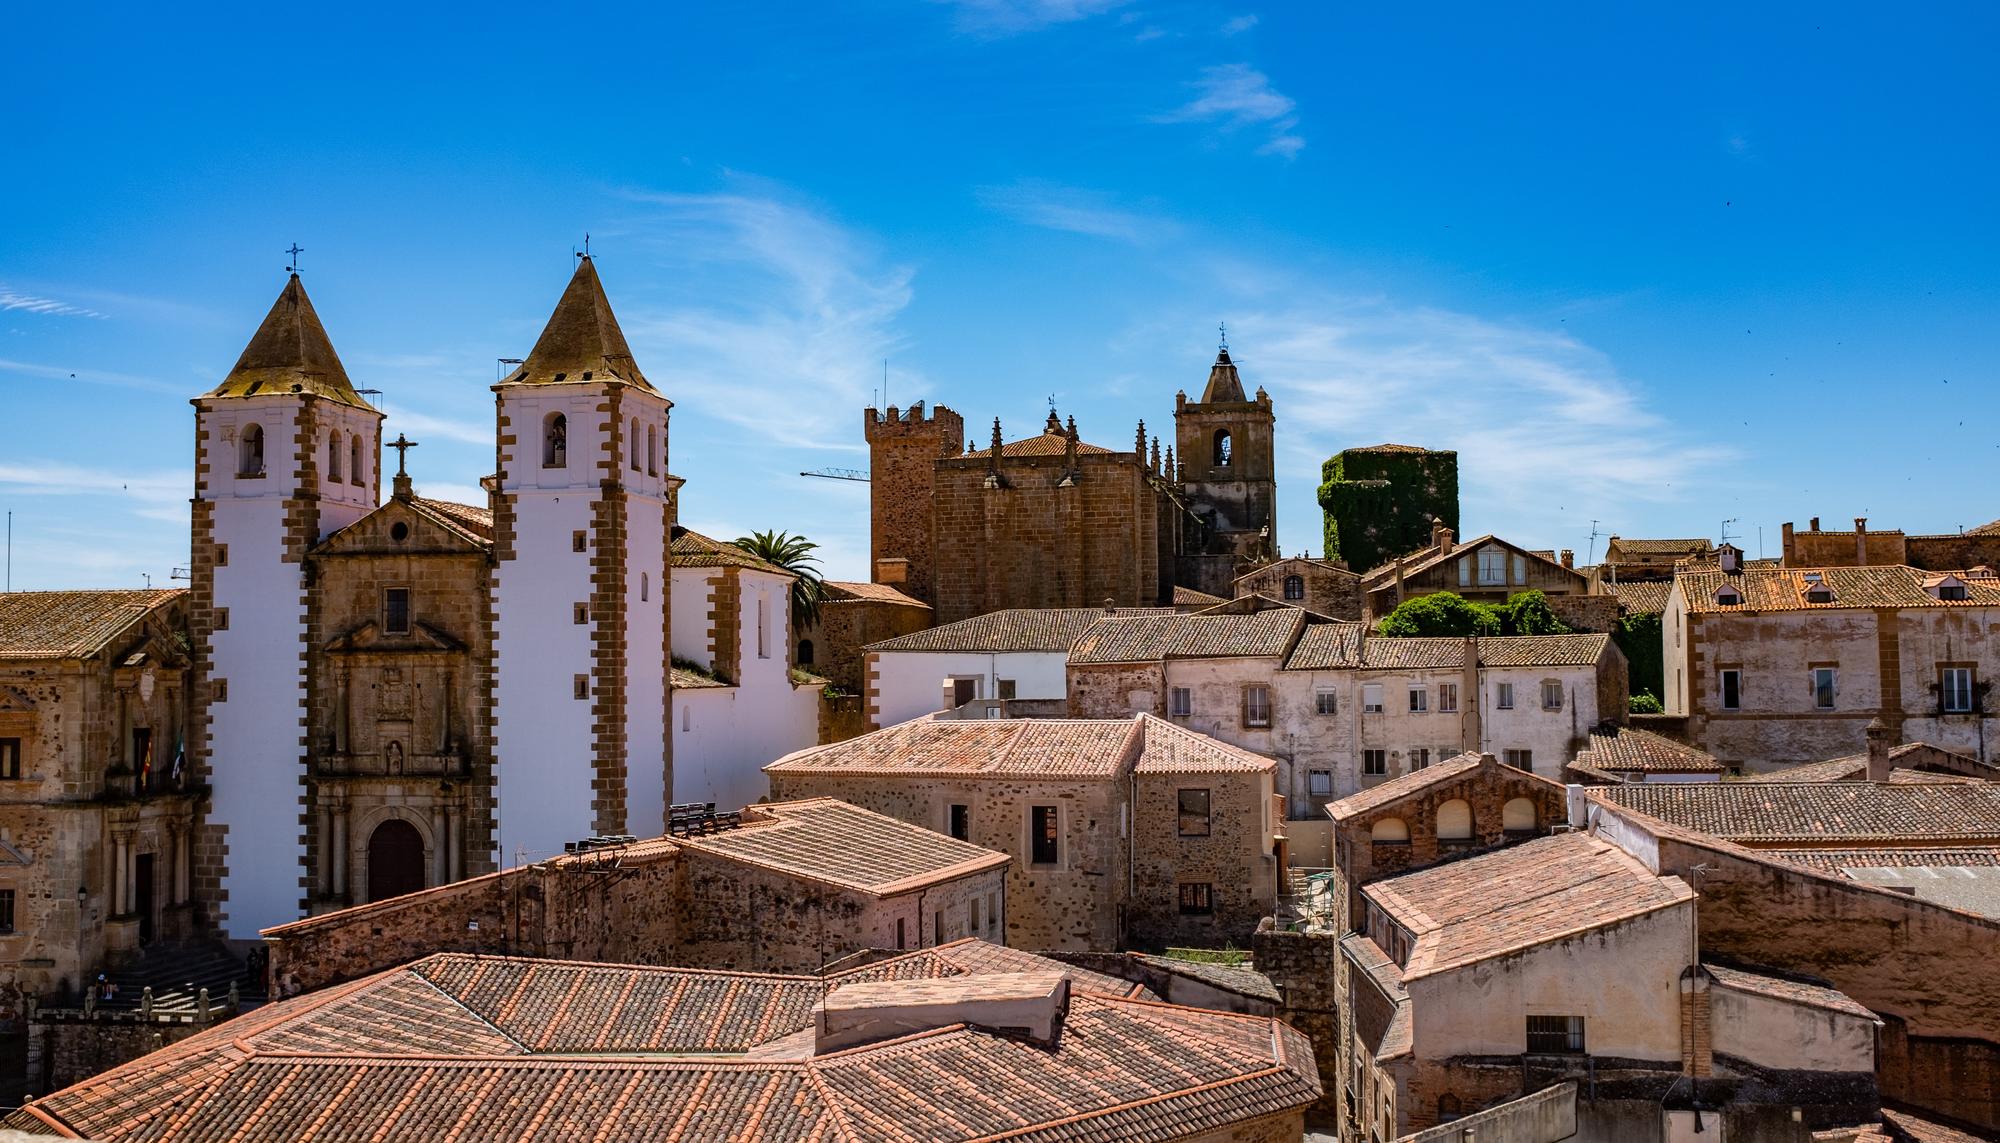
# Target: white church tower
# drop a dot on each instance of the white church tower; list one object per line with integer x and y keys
{"x": 285, "y": 452}
{"x": 582, "y": 527}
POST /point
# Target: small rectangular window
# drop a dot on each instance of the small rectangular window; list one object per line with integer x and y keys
{"x": 902, "y": 934}
{"x": 972, "y": 916}
{"x": 1822, "y": 688}
{"x": 6, "y": 910}
{"x": 1420, "y": 700}
{"x": 1552, "y": 694}
{"x": 222, "y": 619}
{"x": 1371, "y": 698}
{"x": 1043, "y": 835}
{"x": 581, "y": 686}
{"x": 1180, "y": 703}
{"x": 937, "y": 927}
{"x": 10, "y": 758}
{"x": 222, "y": 555}
{"x": 960, "y": 823}
{"x": 993, "y": 910}
{"x": 1555, "y": 1034}
{"x": 1324, "y": 702}
{"x": 763, "y": 627}
{"x": 1955, "y": 690}
{"x": 1257, "y": 706}
{"x": 1194, "y": 816}
{"x": 1519, "y": 759}
{"x": 1503, "y": 696}
{"x": 218, "y": 690}
{"x": 1732, "y": 690}
{"x": 579, "y": 613}
{"x": 1447, "y": 698}
{"x": 1197, "y": 898}
{"x": 1492, "y": 567}
{"x": 1420, "y": 757}
{"x": 577, "y": 542}
{"x": 1319, "y": 783}
{"x": 396, "y": 610}
{"x": 1004, "y": 688}
{"x": 1374, "y": 763}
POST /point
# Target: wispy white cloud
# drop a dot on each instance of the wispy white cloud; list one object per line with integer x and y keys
{"x": 158, "y": 495}
{"x": 1012, "y": 17}
{"x": 14, "y": 300}
{"x": 1240, "y": 24}
{"x": 1074, "y": 209}
{"x": 1236, "y": 96}
{"x": 782, "y": 319}
{"x": 422, "y": 425}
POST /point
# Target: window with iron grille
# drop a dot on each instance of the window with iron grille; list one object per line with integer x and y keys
{"x": 1562, "y": 1034}
{"x": 1197, "y": 898}
{"x": 1042, "y": 840}
{"x": 6, "y": 910}
{"x": 1822, "y": 688}
{"x": 396, "y": 610}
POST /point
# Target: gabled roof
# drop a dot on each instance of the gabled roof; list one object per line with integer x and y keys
{"x": 582, "y": 341}
{"x": 1784, "y": 589}
{"x": 1048, "y": 630}
{"x": 1625, "y": 749}
{"x": 1912, "y": 761}
{"x": 460, "y": 523}
{"x": 1053, "y": 441}
{"x": 1639, "y": 547}
{"x": 847, "y": 591}
{"x": 1223, "y": 382}
{"x": 460, "y": 1046}
{"x": 1512, "y": 899}
{"x": 1142, "y": 639}
{"x": 1444, "y": 652}
{"x": 1189, "y": 599}
{"x": 1326, "y": 647}
{"x": 1299, "y": 563}
{"x": 474, "y": 520}
{"x": 73, "y": 624}
{"x": 821, "y": 839}
{"x": 693, "y": 550}
{"x": 1790, "y": 991}
{"x": 1058, "y": 749}
{"x": 290, "y": 353}
{"x": 1642, "y": 596}
{"x": 1417, "y": 782}
{"x": 1771, "y": 813}
{"x": 1431, "y": 557}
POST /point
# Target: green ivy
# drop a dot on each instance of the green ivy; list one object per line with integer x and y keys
{"x": 1379, "y": 505}
{"x": 1638, "y": 635}
{"x": 1448, "y": 613}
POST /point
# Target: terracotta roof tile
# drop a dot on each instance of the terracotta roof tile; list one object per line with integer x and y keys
{"x": 694, "y": 550}
{"x": 1047, "y": 444}
{"x": 1055, "y": 748}
{"x": 1142, "y": 639}
{"x": 1327, "y": 647}
{"x": 1043, "y": 629}
{"x": 1516, "y": 898}
{"x": 1773, "y": 812}
{"x": 1900, "y": 857}
{"x": 1169, "y": 748}
{"x": 827, "y": 840}
{"x": 72, "y": 624}
{"x": 1623, "y": 748}
{"x": 476, "y": 521}
{"x": 1404, "y": 785}
{"x": 1197, "y": 600}
{"x": 1784, "y": 589}
{"x": 1796, "y": 992}
{"x": 837, "y": 591}
{"x": 1431, "y": 653}
{"x": 1656, "y": 547}
{"x": 1429, "y": 557}
{"x": 1642, "y": 597}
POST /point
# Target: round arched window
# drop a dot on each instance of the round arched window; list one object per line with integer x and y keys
{"x": 1454, "y": 820}
{"x": 1390, "y": 831}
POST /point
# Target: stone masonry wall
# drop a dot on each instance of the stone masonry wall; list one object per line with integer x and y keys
{"x": 1234, "y": 858}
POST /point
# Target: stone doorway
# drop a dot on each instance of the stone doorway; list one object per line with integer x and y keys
{"x": 142, "y": 897}
{"x": 395, "y": 860}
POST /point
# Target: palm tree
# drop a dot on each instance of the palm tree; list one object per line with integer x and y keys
{"x": 794, "y": 554}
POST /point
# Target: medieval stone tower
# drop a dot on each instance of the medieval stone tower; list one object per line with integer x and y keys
{"x": 903, "y": 450}
{"x": 285, "y": 452}
{"x": 582, "y": 528}
{"x": 1227, "y": 472}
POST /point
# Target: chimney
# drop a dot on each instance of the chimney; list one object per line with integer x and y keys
{"x": 1878, "y": 750}
{"x": 1814, "y": 526}
{"x": 1697, "y": 1044}
{"x": 1399, "y": 579}
{"x": 1861, "y": 541}
{"x": 1569, "y": 559}
{"x": 1445, "y": 539}
{"x": 1028, "y": 1005}
{"x": 1786, "y": 544}
{"x": 1470, "y": 733}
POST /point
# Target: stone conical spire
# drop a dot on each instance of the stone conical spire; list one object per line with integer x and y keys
{"x": 582, "y": 341}
{"x": 1223, "y": 383}
{"x": 290, "y": 353}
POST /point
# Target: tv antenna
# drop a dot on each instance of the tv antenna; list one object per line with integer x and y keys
{"x": 1725, "y": 528}
{"x": 1590, "y": 553}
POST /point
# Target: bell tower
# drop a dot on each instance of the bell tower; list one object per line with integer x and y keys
{"x": 582, "y": 529}
{"x": 285, "y": 452}
{"x": 1227, "y": 469}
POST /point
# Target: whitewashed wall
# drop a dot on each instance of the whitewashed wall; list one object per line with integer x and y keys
{"x": 910, "y": 684}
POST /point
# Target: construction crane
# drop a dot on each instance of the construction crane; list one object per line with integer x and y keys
{"x": 854, "y": 474}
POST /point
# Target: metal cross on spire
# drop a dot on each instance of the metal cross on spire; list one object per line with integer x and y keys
{"x": 1222, "y": 332}
{"x": 295, "y": 251}
{"x": 402, "y": 445}
{"x": 585, "y": 252}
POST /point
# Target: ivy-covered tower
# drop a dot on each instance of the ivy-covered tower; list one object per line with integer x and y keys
{"x": 1228, "y": 473}
{"x": 1380, "y": 502}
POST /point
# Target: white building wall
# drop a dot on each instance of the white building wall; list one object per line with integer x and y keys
{"x": 910, "y": 684}
{"x": 1775, "y": 1033}
{"x": 1553, "y": 735}
{"x": 690, "y": 606}
{"x": 647, "y": 585}
{"x": 725, "y": 736}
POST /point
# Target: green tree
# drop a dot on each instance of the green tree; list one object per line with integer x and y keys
{"x": 1638, "y": 635}
{"x": 1528, "y": 613}
{"x": 1646, "y": 702}
{"x": 794, "y": 554}
{"x": 1443, "y": 613}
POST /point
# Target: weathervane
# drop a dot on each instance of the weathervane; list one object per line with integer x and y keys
{"x": 295, "y": 251}
{"x": 402, "y": 445}
{"x": 585, "y": 252}
{"x": 1222, "y": 331}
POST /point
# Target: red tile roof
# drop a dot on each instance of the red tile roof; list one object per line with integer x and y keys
{"x": 1404, "y": 785}
{"x": 1792, "y": 991}
{"x": 1900, "y": 857}
{"x": 694, "y": 550}
{"x": 475, "y": 521}
{"x": 1047, "y": 444}
{"x": 73, "y": 624}
{"x": 1516, "y": 898}
{"x": 1144, "y": 639}
{"x": 1190, "y": 598}
{"x": 821, "y": 839}
{"x": 1625, "y": 749}
{"x": 840, "y": 591}
{"x": 1327, "y": 647}
{"x": 1784, "y": 589}
{"x": 456, "y": 1047}
{"x": 1757, "y": 813}
{"x": 1040, "y": 629}
{"x": 1049, "y": 748}
{"x": 1644, "y": 597}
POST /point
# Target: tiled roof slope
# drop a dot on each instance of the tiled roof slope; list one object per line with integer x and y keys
{"x": 290, "y": 353}
{"x": 1051, "y": 442}
{"x": 827, "y": 840}
{"x": 835, "y": 590}
{"x": 1052, "y": 748}
{"x": 461, "y": 1047}
{"x": 1775, "y": 812}
{"x": 1919, "y": 762}
{"x": 1516, "y": 898}
{"x": 1417, "y": 781}
{"x": 1901, "y": 857}
{"x": 1189, "y": 597}
{"x": 1784, "y": 589}
{"x": 1430, "y": 653}
{"x": 1327, "y": 647}
{"x": 72, "y": 624}
{"x": 694, "y": 550}
{"x": 582, "y": 341}
{"x": 1658, "y": 547}
{"x": 1642, "y": 597}
{"x": 1430, "y": 557}
{"x": 1144, "y": 639}
{"x": 1624, "y": 748}
{"x": 1796, "y": 992}
{"x": 1041, "y": 629}
{"x": 475, "y": 520}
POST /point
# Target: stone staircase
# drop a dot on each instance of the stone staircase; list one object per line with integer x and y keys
{"x": 178, "y": 973}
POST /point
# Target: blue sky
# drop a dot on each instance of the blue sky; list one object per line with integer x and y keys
{"x": 1655, "y": 269}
